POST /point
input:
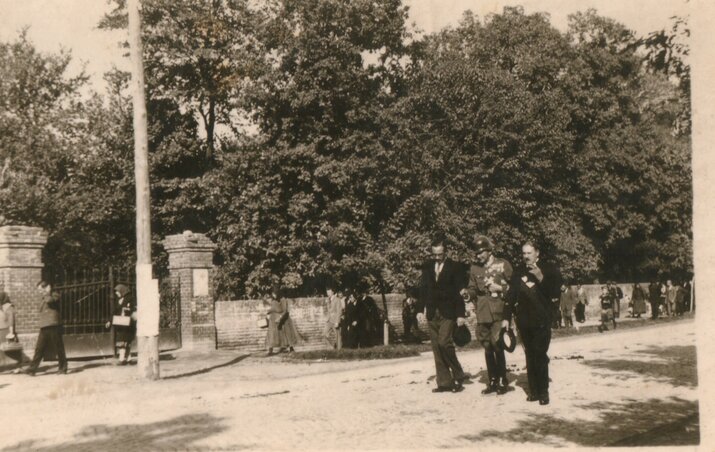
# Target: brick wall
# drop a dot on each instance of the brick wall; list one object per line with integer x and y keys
{"x": 236, "y": 320}
{"x": 20, "y": 271}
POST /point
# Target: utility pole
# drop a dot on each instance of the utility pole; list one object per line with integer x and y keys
{"x": 147, "y": 288}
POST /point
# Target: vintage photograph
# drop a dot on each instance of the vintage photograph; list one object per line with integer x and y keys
{"x": 349, "y": 225}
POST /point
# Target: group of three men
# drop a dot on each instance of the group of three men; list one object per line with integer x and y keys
{"x": 498, "y": 292}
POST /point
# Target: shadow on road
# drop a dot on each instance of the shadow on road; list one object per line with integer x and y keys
{"x": 677, "y": 363}
{"x": 179, "y": 433}
{"x": 207, "y": 369}
{"x": 636, "y": 423}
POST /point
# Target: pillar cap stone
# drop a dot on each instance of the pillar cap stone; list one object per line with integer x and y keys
{"x": 188, "y": 241}
{"x": 30, "y": 236}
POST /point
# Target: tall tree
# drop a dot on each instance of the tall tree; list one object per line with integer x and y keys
{"x": 200, "y": 55}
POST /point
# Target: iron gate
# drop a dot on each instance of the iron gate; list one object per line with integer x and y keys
{"x": 86, "y": 304}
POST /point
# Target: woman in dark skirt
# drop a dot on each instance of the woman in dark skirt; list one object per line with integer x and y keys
{"x": 124, "y": 322}
{"x": 638, "y": 298}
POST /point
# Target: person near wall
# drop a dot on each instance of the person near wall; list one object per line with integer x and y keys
{"x": 488, "y": 283}
{"x": 7, "y": 318}
{"x": 687, "y": 294}
{"x": 616, "y": 297}
{"x": 608, "y": 298}
{"x": 638, "y": 298}
{"x": 440, "y": 301}
{"x": 581, "y": 303}
{"x": 353, "y": 322}
{"x": 671, "y": 292}
{"x": 50, "y": 337}
{"x": 335, "y": 305}
{"x": 372, "y": 319}
{"x": 567, "y": 302}
{"x": 679, "y": 299}
{"x": 534, "y": 288}
{"x": 654, "y": 297}
{"x": 409, "y": 316}
{"x": 123, "y": 323}
{"x": 281, "y": 333}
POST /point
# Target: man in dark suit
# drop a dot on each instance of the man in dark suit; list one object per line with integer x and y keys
{"x": 440, "y": 283}
{"x": 534, "y": 287}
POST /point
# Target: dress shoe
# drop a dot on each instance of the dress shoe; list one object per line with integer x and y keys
{"x": 531, "y": 399}
{"x": 544, "y": 400}
{"x": 62, "y": 372}
{"x": 29, "y": 372}
{"x": 491, "y": 387}
{"x": 458, "y": 387}
{"x": 503, "y": 387}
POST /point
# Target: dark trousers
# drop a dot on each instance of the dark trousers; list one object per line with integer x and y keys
{"x": 50, "y": 339}
{"x": 410, "y": 324}
{"x": 445, "y": 356}
{"x": 536, "y": 345}
{"x": 496, "y": 363}
{"x": 654, "y": 309}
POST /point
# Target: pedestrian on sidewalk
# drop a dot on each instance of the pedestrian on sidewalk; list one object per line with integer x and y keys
{"x": 607, "y": 298}
{"x": 7, "y": 318}
{"x": 440, "y": 283}
{"x": 567, "y": 302}
{"x": 654, "y": 299}
{"x": 336, "y": 305}
{"x": 534, "y": 288}
{"x": 582, "y": 302}
{"x": 50, "y": 337}
{"x": 123, "y": 323}
{"x": 409, "y": 317}
{"x": 638, "y": 298}
{"x": 488, "y": 283}
{"x": 281, "y": 332}
{"x": 671, "y": 294}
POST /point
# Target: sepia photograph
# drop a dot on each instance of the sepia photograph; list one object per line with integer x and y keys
{"x": 355, "y": 224}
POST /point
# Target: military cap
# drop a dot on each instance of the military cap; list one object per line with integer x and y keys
{"x": 482, "y": 243}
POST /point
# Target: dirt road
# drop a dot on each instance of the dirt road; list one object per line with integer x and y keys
{"x": 629, "y": 387}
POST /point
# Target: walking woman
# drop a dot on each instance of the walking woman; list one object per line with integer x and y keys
{"x": 281, "y": 331}
{"x": 123, "y": 323}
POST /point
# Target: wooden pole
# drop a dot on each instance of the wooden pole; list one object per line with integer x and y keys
{"x": 147, "y": 303}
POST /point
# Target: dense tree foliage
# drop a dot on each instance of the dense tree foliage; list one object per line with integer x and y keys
{"x": 365, "y": 141}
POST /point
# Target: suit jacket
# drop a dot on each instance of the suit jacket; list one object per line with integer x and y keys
{"x": 442, "y": 294}
{"x": 531, "y": 300}
{"x": 50, "y": 310}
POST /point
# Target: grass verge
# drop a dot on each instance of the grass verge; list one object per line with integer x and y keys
{"x": 400, "y": 350}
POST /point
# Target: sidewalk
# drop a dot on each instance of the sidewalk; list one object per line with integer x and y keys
{"x": 618, "y": 386}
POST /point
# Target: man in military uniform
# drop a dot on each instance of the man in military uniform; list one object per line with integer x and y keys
{"x": 488, "y": 284}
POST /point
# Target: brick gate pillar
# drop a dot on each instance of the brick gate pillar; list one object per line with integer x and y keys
{"x": 191, "y": 269}
{"x": 20, "y": 271}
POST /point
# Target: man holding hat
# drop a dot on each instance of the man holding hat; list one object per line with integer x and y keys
{"x": 533, "y": 289}
{"x": 488, "y": 284}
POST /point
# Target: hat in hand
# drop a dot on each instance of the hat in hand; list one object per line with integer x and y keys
{"x": 461, "y": 336}
{"x": 507, "y": 339}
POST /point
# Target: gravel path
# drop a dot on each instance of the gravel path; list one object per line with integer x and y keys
{"x": 626, "y": 387}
